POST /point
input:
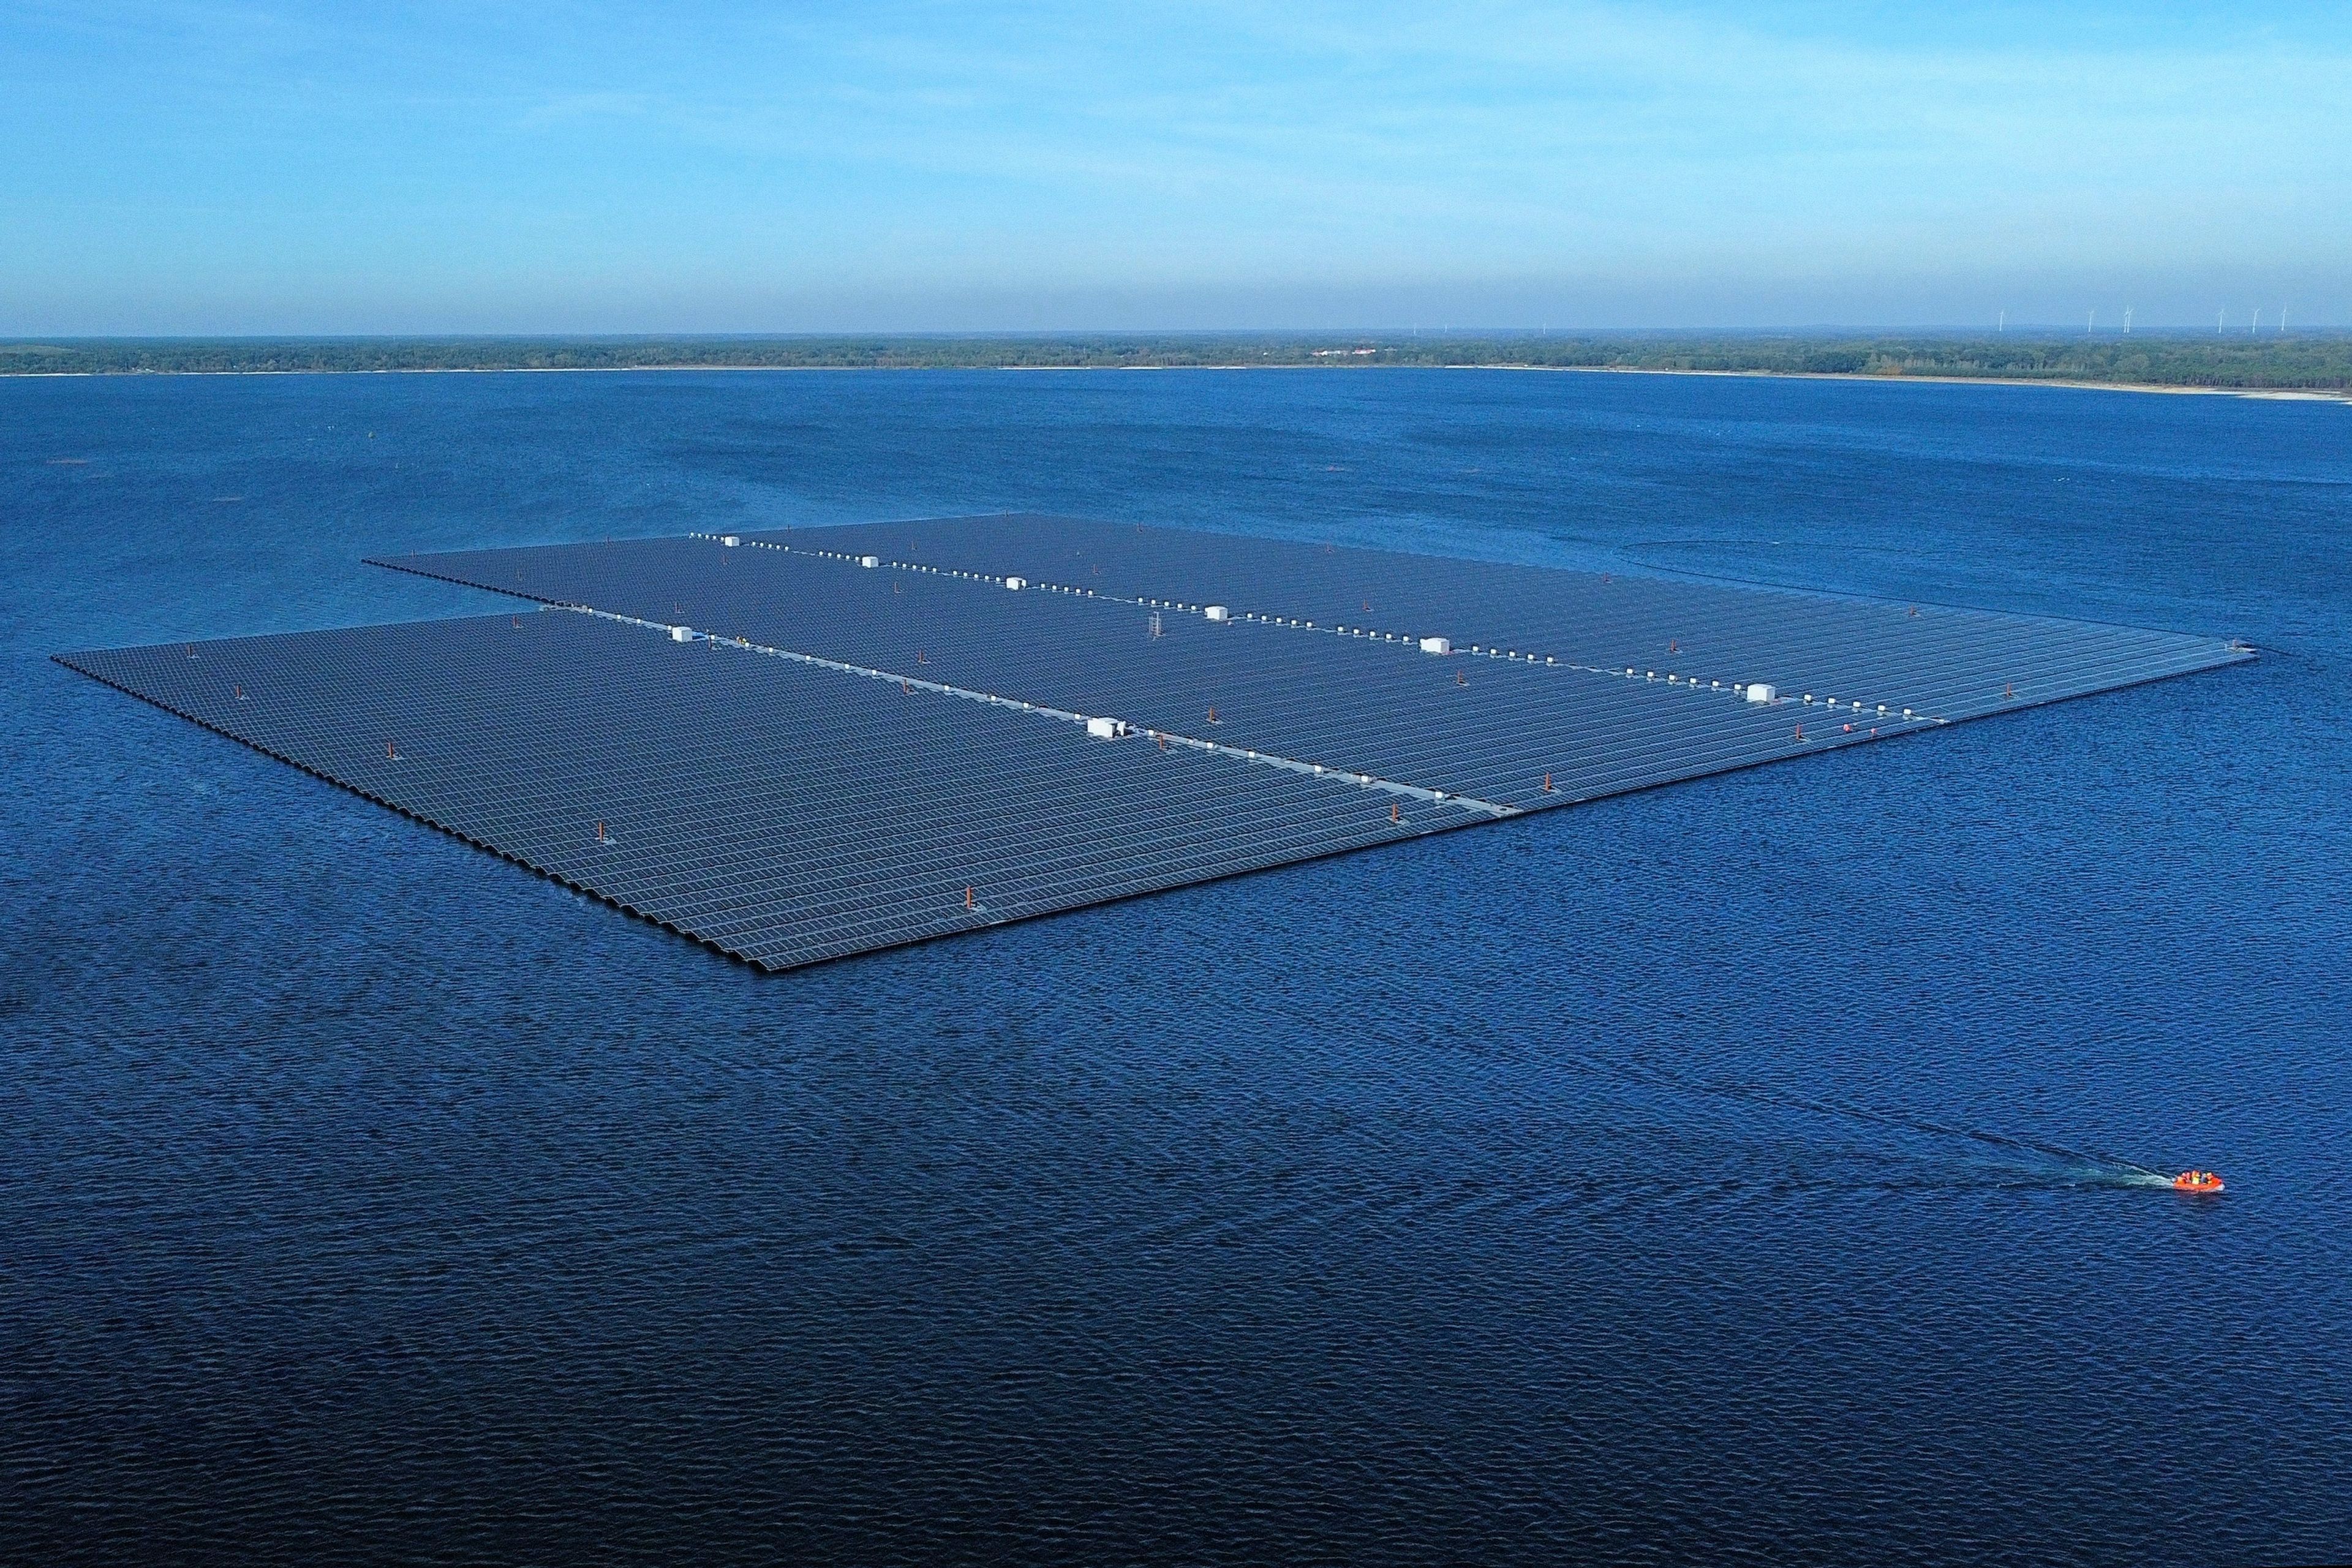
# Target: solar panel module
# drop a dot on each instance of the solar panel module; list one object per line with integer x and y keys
{"x": 780, "y": 811}
{"x": 807, "y": 743}
{"x": 1552, "y": 686}
{"x": 1932, "y": 659}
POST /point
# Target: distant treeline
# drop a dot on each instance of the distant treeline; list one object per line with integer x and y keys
{"x": 2316, "y": 360}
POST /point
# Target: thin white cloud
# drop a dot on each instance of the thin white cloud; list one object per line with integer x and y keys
{"x": 956, "y": 152}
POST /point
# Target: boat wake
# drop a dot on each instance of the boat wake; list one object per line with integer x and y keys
{"x": 2021, "y": 1156}
{"x": 1969, "y": 1157}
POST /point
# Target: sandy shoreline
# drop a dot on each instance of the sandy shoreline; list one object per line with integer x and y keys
{"x": 2275, "y": 394}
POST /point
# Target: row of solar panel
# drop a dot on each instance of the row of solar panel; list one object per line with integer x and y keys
{"x": 781, "y": 812}
{"x": 1951, "y": 662}
{"x": 1516, "y": 730}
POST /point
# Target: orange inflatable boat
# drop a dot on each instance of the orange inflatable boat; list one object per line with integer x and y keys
{"x": 2197, "y": 1182}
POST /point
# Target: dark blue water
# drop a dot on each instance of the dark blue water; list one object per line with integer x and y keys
{"x": 1746, "y": 1171}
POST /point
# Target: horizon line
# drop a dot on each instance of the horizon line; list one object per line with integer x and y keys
{"x": 1036, "y": 334}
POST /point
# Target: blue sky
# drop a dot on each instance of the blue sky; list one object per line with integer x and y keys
{"x": 261, "y": 167}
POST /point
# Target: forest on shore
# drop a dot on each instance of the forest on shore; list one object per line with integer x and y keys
{"x": 2318, "y": 360}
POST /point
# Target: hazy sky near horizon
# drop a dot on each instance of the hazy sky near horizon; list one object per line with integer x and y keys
{"x": 179, "y": 166}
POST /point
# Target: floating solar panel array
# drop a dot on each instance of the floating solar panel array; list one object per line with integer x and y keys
{"x": 808, "y": 743}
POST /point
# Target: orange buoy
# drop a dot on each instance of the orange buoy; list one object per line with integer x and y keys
{"x": 1800, "y": 732}
{"x": 1213, "y": 717}
{"x": 2008, "y": 693}
{"x": 1547, "y": 783}
{"x": 600, "y": 833}
{"x": 1461, "y": 679}
{"x": 390, "y": 753}
{"x": 1392, "y": 813}
{"x": 2197, "y": 1182}
{"x": 1671, "y": 647}
{"x": 967, "y": 898}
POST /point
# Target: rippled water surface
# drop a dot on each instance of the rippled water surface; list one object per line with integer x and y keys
{"x": 1752, "y": 1170}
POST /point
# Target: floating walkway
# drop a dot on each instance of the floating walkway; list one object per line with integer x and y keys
{"x": 808, "y": 743}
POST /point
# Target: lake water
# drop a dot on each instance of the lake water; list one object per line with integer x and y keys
{"x": 1750, "y": 1169}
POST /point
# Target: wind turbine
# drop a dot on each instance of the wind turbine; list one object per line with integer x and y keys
{"x": 2127, "y": 311}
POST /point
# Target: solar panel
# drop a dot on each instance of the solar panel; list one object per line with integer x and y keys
{"x": 814, "y": 742}
{"x": 1504, "y": 720}
{"x": 1859, "y": 657}
{"x": 1932, "y": 659}
{"x": 778, "y": 811}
